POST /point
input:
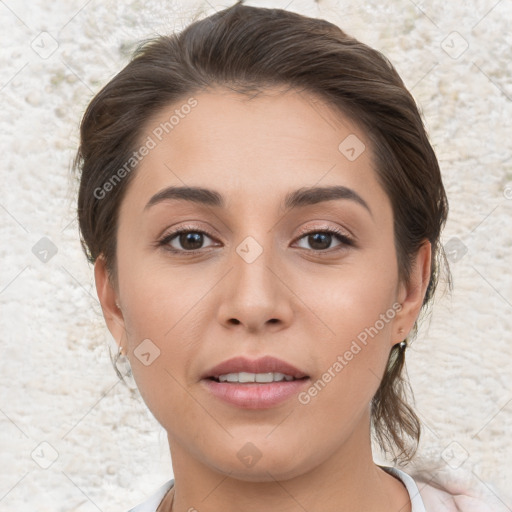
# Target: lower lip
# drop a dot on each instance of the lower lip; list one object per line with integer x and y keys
{"x": 254, "y": 395}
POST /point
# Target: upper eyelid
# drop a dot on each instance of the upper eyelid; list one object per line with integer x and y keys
{"x": 303, "y": 231}
{"x": 337, "y": 232}
{"x": 342, "y": 231}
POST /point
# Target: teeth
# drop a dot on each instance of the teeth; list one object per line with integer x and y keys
{"x": 254, "y": 377}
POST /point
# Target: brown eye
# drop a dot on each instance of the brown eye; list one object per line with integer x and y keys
{"x": 185, "y": 240}
{"x": 320, "y": 240}
{"x": 191, "y": 240}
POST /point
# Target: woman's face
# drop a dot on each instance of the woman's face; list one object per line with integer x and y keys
{"x": 258, "y": 285}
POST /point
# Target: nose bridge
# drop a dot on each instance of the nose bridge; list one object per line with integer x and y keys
{"x": 255, "y": 293}
{"x": 257, "y": 246}
{"x": 253, "y": 259}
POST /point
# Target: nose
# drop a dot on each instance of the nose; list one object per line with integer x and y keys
{"x": 256, "y": 295}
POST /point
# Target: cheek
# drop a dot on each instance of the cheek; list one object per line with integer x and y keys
{"x": 347, "y": 299}
{"x": 157, "y": 297}
{"x": 163, "y": 308}
{"x": 351, "y": 367}
{"x": 353, "y": 318}
{"x": 161, "y": 386}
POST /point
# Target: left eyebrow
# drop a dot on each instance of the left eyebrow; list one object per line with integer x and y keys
{"x": 198, "y": 195}
{"x": 300, "y": 198}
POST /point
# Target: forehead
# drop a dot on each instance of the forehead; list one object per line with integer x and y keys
{"x": 253, "y": 148}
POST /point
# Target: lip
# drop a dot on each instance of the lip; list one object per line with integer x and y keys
{"x": 264, "y": 364}
{"x": 254, "y": 395}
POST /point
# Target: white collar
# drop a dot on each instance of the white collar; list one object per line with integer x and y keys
{"x": 151, "y": 504}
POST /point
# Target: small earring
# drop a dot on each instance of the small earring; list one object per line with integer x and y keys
{"x": 403, "y": 344}
{"x": 121, "y": 351}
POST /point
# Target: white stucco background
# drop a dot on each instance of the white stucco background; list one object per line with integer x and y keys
{"x": 101, "y": 447}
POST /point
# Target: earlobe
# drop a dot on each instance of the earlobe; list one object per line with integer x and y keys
{"x": 107, "y": 296}
{"x": 411, "y": 296}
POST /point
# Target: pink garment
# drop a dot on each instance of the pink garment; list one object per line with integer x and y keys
{"x": 458, "y": 490}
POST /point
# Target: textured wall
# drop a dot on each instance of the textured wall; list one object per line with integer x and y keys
{"x": 101, "y": 448}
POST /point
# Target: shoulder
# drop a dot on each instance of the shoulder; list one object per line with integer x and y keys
{"x": 439, "y": 500}
{"x": 446, "y": 490}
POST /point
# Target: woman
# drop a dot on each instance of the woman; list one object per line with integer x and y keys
{"x": 263, "y": 210}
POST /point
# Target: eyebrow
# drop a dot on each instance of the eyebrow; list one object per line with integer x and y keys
{"x": 300, "y": 198}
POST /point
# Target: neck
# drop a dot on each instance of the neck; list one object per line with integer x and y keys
{"x": 347, "y": 481}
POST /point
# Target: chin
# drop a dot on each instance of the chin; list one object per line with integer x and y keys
{"x": 249, "y": 464}
{"x": 262, "y": 472}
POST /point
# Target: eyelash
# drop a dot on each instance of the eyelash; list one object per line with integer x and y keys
{"x": 342, "y": 237}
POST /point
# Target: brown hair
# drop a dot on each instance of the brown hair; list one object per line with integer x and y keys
{"x": 247, "y": 49}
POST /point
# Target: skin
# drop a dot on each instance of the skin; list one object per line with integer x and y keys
{"x": 291, "y": 303}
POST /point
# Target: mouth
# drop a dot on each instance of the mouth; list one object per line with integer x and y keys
{"x": 258, "y": 378}
{"x": 254, "y": 384}
{"x": 262, "y": 370}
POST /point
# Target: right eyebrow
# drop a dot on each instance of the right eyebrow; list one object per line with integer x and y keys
{"x": 312, "y": 195}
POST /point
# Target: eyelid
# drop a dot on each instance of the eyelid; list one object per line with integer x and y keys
{"x": 347, "y": 240}
{"x": 168, "y": 236}
{"x": 344, "y": 236}
{"x": 327, "y": 228}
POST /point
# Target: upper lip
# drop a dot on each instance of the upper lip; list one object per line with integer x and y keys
{"x": 264, "y": 364}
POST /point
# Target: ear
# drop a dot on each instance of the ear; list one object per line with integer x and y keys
{"x": 107, "y": 296}
{"x": 411, "y": 296}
